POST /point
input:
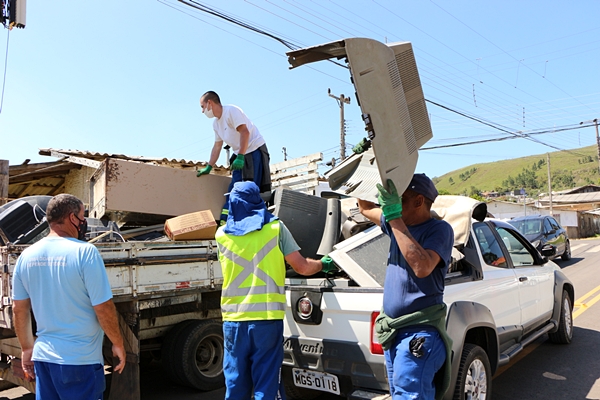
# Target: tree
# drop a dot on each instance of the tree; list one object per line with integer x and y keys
{"x": 477, "y": 197}
{"x": 451, "y": 181}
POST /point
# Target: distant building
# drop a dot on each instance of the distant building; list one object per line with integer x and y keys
{"x": 490, "y": 195}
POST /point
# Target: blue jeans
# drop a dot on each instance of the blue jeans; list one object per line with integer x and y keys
{"x": 410, "y": 376}
{"x": 236, "y": 176}
{"x": 66, "y": 382}
{"x": 253, "y": 358}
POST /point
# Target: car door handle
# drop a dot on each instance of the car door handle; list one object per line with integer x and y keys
{"x": 522, "y": 278}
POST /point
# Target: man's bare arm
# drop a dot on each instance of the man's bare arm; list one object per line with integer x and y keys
{"x": 244, "y": 138}
{"x": 107, "y": 316}
{"x": 370, "y": 211}
{"x": 422, "y": 261}
{"x": 214, "y": 153}
{"x": 23, "y": 329}
{"x": 302, "y": 265}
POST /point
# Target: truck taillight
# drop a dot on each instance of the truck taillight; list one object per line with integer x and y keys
{"x": 375, "y": 346}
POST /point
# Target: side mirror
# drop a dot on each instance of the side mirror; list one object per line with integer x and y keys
{"x": 548, "y": 250}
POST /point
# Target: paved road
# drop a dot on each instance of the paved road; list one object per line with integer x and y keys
{"x": 543, "y": 371}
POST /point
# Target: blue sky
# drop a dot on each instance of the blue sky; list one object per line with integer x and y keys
{"x": 125, "y": 77}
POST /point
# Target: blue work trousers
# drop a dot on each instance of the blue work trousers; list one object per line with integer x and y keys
{"x": 68, "y": 382}
{"x": 411, "y": 371}
{"x": 237, "y": 176}
{"x": 253, "y": 357}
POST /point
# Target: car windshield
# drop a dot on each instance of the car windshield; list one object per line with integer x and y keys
{"x": 529, "y": 226}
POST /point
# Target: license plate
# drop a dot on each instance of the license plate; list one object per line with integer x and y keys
{"x": 316, "y": 380}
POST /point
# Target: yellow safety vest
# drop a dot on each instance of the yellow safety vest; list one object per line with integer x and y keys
{"x": 253, "y": 275}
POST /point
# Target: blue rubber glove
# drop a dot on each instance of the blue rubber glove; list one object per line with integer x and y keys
{"x": 390, "y": 202}
{"x": 328, "y": 265}
{"x": 362, "y": 146}
{"x": 238, "y": 163}
{"x": 204, "y": 171}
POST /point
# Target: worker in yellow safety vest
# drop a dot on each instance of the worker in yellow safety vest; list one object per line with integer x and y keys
{"x": 253, "y": 248}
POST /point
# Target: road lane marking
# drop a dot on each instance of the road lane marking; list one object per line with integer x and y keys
{"x": 577, "y": 247}
{"x": 583, "y": 306}
{"x": 594, "y": 249}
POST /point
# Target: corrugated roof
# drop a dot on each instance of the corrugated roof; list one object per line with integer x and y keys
{"x": 575, "y": 190}
{"x": 591, "y": 197}
{"x": 49, "y": 178}
{"x": 182, "y": 163}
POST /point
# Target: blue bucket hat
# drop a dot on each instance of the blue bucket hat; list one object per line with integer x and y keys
{"x": 421, "y": 184}
{"x": 247, "y": 210}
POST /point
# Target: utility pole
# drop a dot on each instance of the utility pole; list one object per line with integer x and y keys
{"x": 4, "y": 179}
{"x": 595, "y": 121}
{"x": 284, "y": 151}
{"x": 549, "y": 181}
{"x": 597, "y": 142}
{"x": 341, "y": 101}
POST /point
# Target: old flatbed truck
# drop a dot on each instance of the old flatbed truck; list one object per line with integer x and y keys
{"x": 167, "y": 295}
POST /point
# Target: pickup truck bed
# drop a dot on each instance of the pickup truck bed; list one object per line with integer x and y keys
{"x": 500, "y": 292}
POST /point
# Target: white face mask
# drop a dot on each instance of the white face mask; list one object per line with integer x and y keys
{"x": 207, "y": 112}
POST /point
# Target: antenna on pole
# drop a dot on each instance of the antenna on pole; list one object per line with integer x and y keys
{"x": 341, "y": 101}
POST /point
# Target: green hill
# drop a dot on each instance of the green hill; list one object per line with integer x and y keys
{"x": 568, "y": 169}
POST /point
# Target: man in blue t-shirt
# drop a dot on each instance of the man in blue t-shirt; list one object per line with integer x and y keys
{"x": 63, "y": 280}
{"x": 418, "y": 259}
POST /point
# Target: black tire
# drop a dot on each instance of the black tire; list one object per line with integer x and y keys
{"x": 294, "y": 392}
{"x": 167, "y": 351}
{"x": 566, "y": 256}
{"x": 564, "y": 333}
{"x": 474, "y": 380}
{"x": 198, "y": 355}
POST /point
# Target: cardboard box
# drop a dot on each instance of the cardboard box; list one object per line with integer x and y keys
{"x": 194, "y": 226}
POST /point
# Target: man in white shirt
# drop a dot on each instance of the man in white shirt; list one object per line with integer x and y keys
{"x": 250, "y": 160}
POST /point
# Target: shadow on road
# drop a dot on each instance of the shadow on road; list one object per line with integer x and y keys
{"x": 565, "y": 264}
{"x": 554, "y": 371}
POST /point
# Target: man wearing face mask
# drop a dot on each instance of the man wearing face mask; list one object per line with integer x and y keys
{"x": 250, "y": 160}
{"x": 63, "y": 281}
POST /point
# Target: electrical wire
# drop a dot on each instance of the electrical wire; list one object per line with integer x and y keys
{"x": 291, "y": 45}
{"x": 204, "y": 8}
{"x": 498, "y": 47}
{"x": 5, "y": 68}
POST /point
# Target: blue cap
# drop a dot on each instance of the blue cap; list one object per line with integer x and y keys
{"x": 421, "y": 184}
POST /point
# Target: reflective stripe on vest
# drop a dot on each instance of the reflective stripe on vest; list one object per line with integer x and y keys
{"x": 246, "y": 259}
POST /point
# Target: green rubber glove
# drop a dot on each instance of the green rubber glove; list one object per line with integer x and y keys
{"x": 238, "y": 163}
{"x": 390, "y": 202}
{"x": 204, "y": 171}
{"x": 362, "y": 146}
{"x": 328, "y": 265}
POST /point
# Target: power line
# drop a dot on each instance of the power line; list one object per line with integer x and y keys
{"x": 291, "y": 45}
{"x": 498, "y": 47}
{"x": 5, "y": 68}
{"x": 204, "y": 8}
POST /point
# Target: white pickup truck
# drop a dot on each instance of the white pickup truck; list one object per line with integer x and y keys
{"x": 501, "y": 294}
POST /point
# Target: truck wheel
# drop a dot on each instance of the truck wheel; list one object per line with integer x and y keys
{"x": 294, "y": 392}
{"x": 167, "y": 351}
{"x": 566, "y": 256}
{"x": 474, "y": 381}
{"x": 199, "y": 355}
{"x": 564, "y": 334}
